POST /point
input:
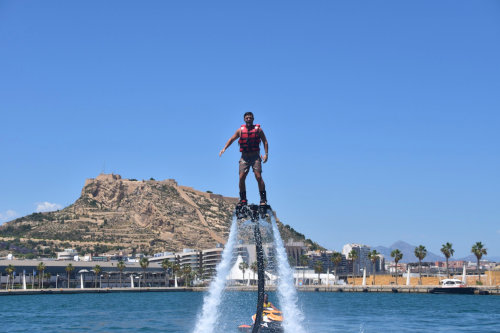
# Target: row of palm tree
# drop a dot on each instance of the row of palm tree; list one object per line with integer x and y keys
{"x": 447, "y": 250}
{"x": 144, "y": 263}
{"x": 243, "y": 266}
{"x": 420, "y": 252}
{"x": 336, "y": 259}
{"x": 41, "y": 276}
{"x": 175, "y": 268}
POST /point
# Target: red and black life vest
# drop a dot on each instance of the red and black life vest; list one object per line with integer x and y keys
{"x": 249, "y": 139}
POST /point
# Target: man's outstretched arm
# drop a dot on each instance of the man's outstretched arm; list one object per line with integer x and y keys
{"x": 266, "y": 146}
{"x": 230, "y": 141}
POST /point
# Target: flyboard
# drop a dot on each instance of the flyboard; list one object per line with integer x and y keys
{"x": 256, "y": 214}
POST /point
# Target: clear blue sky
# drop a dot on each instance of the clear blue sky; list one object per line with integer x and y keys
{"x": 382, "y": 117}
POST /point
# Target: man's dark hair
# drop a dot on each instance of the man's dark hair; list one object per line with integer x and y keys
{"x": 247, "y": 113}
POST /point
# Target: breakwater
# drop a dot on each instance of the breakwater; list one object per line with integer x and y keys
{"x": 480, "y": 290}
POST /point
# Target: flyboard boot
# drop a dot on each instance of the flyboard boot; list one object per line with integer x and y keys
{"x": 244, "y": 211}
{"x": 264, "y": 208}
{"x": 242, "y": 206}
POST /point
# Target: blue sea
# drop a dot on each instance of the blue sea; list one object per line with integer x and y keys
{"x": 178, "y": 311}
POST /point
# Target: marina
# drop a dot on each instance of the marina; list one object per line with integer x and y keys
{"x": 176, "y": 312}
{"x": 479, "y": 290}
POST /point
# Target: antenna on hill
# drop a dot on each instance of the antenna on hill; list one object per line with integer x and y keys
{"x": 104, "y": 167}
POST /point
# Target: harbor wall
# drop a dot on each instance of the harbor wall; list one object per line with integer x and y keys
{"x": 480, "y": 290}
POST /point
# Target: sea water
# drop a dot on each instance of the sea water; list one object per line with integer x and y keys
{"x": 178, "y": 311}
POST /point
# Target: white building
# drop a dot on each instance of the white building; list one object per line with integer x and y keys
{"x": 205, "y": 260}
{"x": 67, "y": 254}
{"x": 248, "y": 252}
{"x": 362, "y": 262}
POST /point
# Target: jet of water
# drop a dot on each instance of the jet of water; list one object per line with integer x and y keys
{"x": 292, "y": 316}
{"x": 209, "y": 315}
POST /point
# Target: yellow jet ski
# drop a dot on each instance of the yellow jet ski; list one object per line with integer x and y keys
{"x": 272, "y": 322}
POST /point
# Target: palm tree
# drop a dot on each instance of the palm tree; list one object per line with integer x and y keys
{"x": 69, "y": 269}
{"x": 353, "y": 256}
{"x": 48, "y": 276}
{"x": 144, "y": 262}
{"x": 176, "y": 268}
{"x": 186, "y": 272}
{"x": 254, "y": 268}
{"x": 107, "y": 275}
{"x": 304, "y": 262}
{"x": 318, "y": 268}
{"x": 97, "y": 270}
{"x": 243, "y": 266}
{"x": 420, "y": 253}
{"x": 397, "y": 255}
{"x": 447, "y": 250}
{"x": 10, "y": 271}
{"x": 166, "y": 265}
{"x": 478, "y": 250}
{"x": 121, "y": 266}
{"x": 373, "y": 256}
{"x": 337, "y": 260}
{"x": 40, "y": 268}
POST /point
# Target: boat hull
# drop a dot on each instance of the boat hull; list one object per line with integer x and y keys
{"x": 273, "y": 327}
{"x": 461, "y": 290}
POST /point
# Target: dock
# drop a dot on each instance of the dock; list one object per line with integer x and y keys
{"x": 480, "y": 290}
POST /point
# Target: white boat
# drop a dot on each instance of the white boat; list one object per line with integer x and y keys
{"x": 452, "y": 283}
{"x": 452, "y": 286}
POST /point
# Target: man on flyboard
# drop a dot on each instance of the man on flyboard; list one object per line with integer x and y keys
{"x": 250, "y": 137}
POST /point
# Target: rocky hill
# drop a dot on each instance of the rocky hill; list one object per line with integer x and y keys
{"x": 145, "y": 216}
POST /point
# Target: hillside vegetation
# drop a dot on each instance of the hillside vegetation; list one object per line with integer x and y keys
{"x": 136, "y": 216}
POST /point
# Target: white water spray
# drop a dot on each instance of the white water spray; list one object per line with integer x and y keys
{"x": 209, "y": 315}
{"x": 292, "y": 316}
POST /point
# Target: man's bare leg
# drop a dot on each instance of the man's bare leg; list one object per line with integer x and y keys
{"x": 243, "y": 188}
{"x": 262, "y": 187}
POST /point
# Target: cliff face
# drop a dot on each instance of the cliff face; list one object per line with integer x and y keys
{"x": 151, "y": 216}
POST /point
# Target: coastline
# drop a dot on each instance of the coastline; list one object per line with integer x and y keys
{"x": 480, "y": 290}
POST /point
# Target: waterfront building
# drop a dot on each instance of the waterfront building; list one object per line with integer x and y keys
{"x": 325, "y": 257}
{"x": 455, "y": 266}
{"x": 210, "y": 259}
{"x": 67, "y": 254}
{"x": 380, "y": 265}
{"x": 294, "y": 250}
{"x": 206, "y": 260}
{"x": 248, "y": 253}
{"x": 109, "y": 276}
{"x": 186, "y": 257}
{"x": 191, "y": 258}
{"x": 362, "y": 262}
{"x": 390, "y": 266}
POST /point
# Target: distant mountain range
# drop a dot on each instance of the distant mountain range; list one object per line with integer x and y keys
{"x": 409, "y": 256}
